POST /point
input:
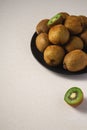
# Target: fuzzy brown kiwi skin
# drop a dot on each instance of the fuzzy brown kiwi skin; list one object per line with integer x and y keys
{"x": 53, "y": 55}
{"x": 74, "y": 25}
{"x": 69, "y": 69}
{"x": 58, "y": 34}
{"x": 42, "y": 42}
{"x": 42, "y": 26}
{"x": 83, "y": 20}
{"x": 74, "y": 43}
{"x": 64, "y": 15}
{"x": 71, "y": 62}
{"x": 83, "y": 36}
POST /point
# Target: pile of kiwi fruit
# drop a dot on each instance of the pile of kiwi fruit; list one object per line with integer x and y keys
{"x": 62, "y": 40}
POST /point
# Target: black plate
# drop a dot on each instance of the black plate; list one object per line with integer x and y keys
{"x": 39, "y": 58}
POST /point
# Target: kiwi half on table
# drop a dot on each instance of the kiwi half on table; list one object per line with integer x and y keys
{"x": 74, "y": 96}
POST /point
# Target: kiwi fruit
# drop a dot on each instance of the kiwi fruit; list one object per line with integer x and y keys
{"x": 62, "y": 40}
{"x": 83, "y": 20}
{"x": 53, "y": 55}
{"x": 59, "y": 34}
{"x": 73, "y": 24}
{"x": 42, "y": 26}
{"x": 75, "y": 42}
{"x": 42, "y": 41}
{"x": 64, "y": 15}
{"x": 57, "y": 19}
{"x": 83, "y": 36}
{"x": 75, "y": 60}
{"x": 74, "y": 96}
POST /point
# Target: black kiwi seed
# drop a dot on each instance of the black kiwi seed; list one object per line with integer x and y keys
{"x": 74, "y": 96}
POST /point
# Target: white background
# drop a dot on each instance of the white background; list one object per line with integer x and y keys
{"x": 32, "y": 97}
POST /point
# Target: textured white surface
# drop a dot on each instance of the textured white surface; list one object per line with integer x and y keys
{"x": 31, "y": 97}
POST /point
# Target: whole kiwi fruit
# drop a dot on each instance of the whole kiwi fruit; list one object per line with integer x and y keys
{"x": 42, "y": 41}
{"x": 53, "y": 55}
{"x": 83, "y": 20}
{"x": 73, "y": 24}
{"x": 75, "y": 42}
{"x": 59, "y": 34}
{"x": 83, "y": 36}
{"x": 75, "y": 61}
{"x": 42, "y": 26}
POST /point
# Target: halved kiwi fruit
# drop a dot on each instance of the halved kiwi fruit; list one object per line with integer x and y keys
{"x": 74, "y": 96}
{"x": 57, "y": 19}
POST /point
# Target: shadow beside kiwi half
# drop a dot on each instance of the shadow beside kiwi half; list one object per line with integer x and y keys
{"x": 83, "y": 108}
{"x": 58, "y": 69}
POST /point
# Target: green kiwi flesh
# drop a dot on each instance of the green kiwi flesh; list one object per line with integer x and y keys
{"x": 55, "y": 19}
{"x": 74, "y": 96}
